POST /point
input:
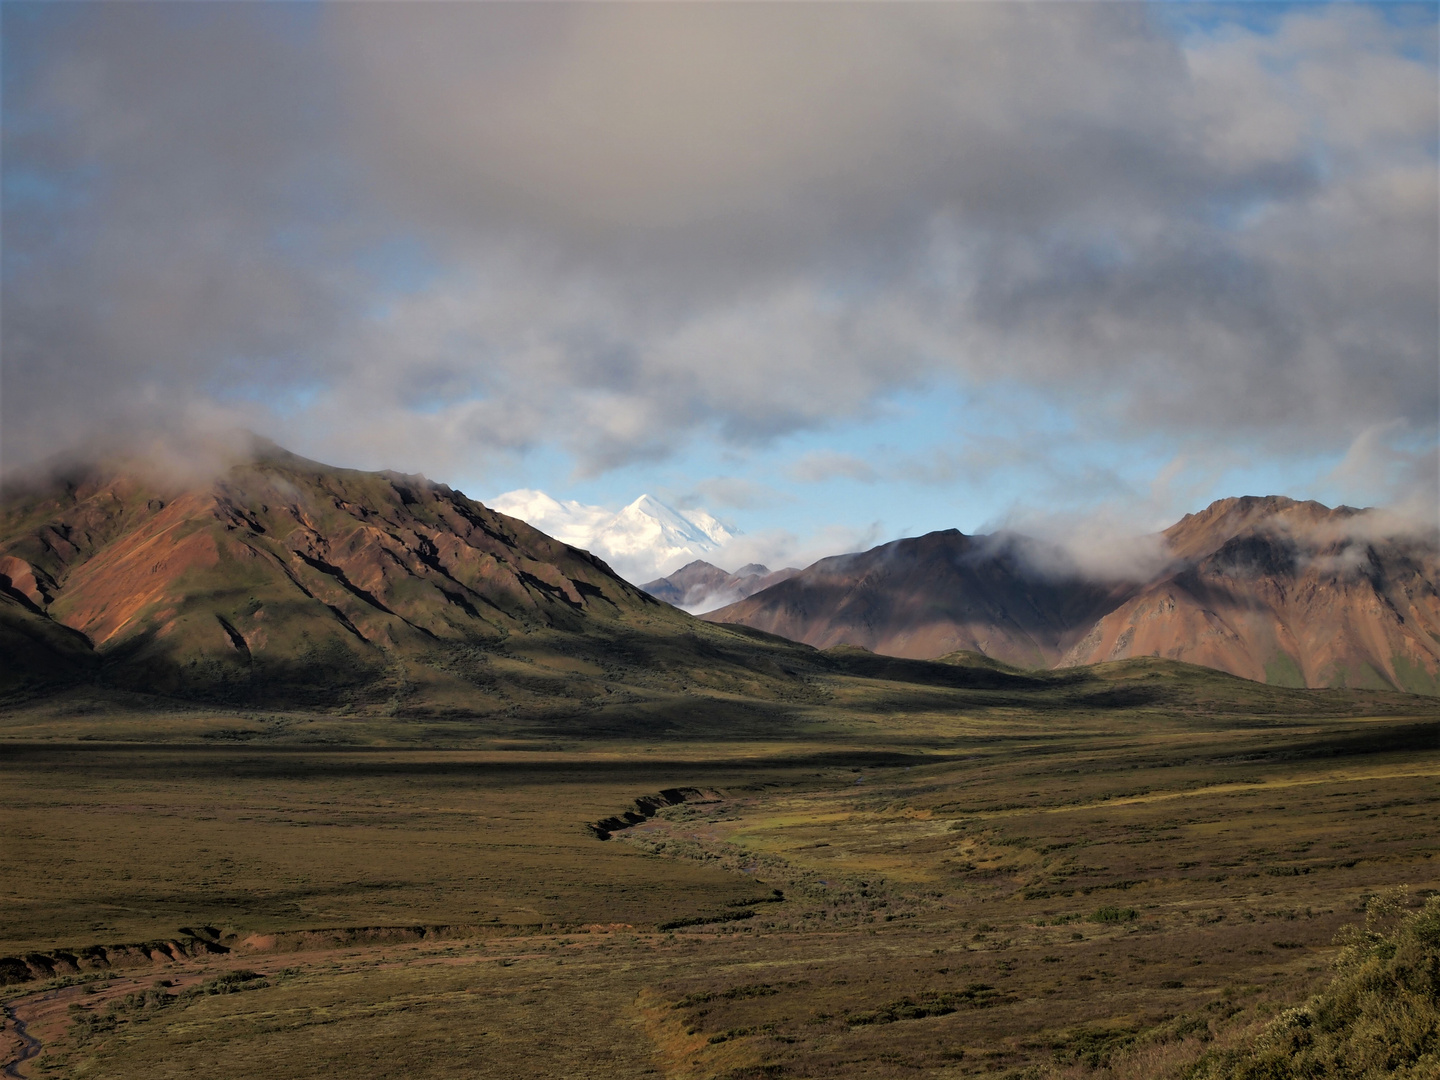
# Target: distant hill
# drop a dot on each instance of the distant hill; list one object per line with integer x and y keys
{"x": 286, "y": 581}
{"x": 1292, "y": 593}
{"x": 700, "y": 586}
{"x": 925, "y": 597}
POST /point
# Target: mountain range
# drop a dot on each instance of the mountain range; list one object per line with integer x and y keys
{"x": 278, "y": 580}
{"x": 700, "y": 586}
{"x": 1271, "y": 589}
{"x": 641, "y": 541}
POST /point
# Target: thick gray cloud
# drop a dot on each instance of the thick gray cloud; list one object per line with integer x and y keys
{"x": 417, "y": 234}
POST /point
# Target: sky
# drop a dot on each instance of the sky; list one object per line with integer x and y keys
{"x": 836, "y": 273}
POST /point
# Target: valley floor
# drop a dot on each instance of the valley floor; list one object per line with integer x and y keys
{"x": 1066, "y": 895}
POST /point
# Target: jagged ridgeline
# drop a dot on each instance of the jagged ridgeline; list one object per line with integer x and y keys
{"x": 284, "y": 581}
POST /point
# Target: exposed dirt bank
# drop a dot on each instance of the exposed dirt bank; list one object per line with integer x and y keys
{"x": 646, "y": 806}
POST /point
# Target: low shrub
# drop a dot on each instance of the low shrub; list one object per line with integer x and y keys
{"x": 1379, "y": 1017}
{"x": 1114, "y": 915}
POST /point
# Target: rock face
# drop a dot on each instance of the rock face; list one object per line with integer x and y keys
{"x": 1292, "y": 593}
{"x": 700, "y": 586}
{"x": 290, "y": 580}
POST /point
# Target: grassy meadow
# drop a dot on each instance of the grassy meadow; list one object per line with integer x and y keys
{"x": 912, "y": 870}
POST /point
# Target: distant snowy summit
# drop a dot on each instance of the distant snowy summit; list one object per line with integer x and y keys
{"x": 643, "y": 541}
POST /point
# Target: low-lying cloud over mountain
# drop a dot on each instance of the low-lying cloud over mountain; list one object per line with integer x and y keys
{"x": 1271, "y": 589}
{"x": 699, "y": 586}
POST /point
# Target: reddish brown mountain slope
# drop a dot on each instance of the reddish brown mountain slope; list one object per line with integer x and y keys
{"x": 289, "y": 581}
{"x": 1266, "y": 588}
{"x": 929, "y": 596}
{"x": 1286, "y": 592}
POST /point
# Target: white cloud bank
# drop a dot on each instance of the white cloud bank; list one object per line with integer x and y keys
{"x": 642, "y": 541}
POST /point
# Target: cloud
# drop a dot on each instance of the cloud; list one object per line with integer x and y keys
{"x": 424, "y": 235}
{"x": 192, "y": 448}
{"x": 1102, "y": 545}
{"x": 1389, "y": 461}
{"x": 779, "y": 548}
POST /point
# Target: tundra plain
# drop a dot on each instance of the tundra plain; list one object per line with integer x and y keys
{"x": 1110, "y": 872}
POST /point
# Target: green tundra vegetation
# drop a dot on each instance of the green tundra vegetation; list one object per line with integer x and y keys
{"x": 883, "y": 868}
{"x": 1379, "y": 1017}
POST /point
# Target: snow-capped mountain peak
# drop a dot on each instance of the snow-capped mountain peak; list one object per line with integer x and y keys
{"x": 642, "y": 541}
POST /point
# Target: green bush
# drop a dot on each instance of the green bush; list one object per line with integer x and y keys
{"x": 1114, "y": 914}
{"x": 233, "y": 982}
{"x": 1379, "y": 1017}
